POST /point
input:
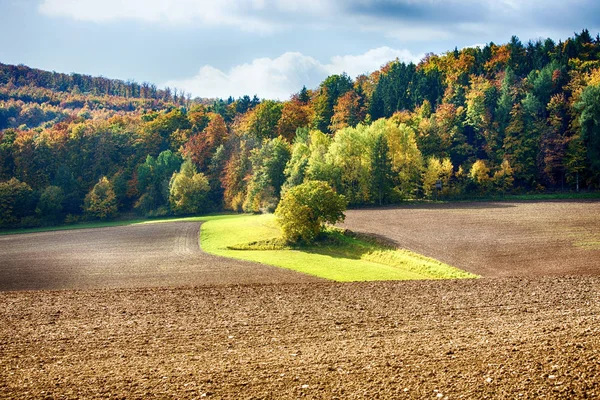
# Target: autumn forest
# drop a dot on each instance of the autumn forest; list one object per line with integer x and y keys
{"x": 473, "y": 122}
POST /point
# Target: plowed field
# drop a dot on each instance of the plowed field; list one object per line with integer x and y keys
{"x": 495, "y": 239}
{"x": 499, "y": 338}
{"x": 163, "y": 254}
{"x": 168, "y": 321}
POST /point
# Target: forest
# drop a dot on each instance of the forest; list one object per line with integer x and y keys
{"x": 474, "y": 122}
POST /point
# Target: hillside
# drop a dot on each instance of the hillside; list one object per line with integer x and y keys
{"x": 503, "y": 118}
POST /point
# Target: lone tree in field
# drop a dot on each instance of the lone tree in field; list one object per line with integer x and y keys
{"x": 305, "y": 209}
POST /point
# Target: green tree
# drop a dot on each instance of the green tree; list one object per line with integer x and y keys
{"x": 188, "y": 190}
{"x": 305, "y": 209}
{"x": 65, "y": 179}
{"x": 101, "y": 201}
{"x": 295, "y": 170}
{"x": 382, "y": 181}
{"x": 480, "y": 100}
{"x": 320, "y": 167}
{"x": 521, "y": 143}
{"x": 261, "y": 122}
{"x": 393, "y": 92}
{"x": 161, "y": 130}
{"x": 554, "y": 140}
{"x": 50, "y": 204}
{"x": 268, "y": 166}
{"x": 331, "y": 90}
{"x": 15, "y": 200}
{"x": 350, "y": 153}
{"x": 589, "y": 120}
{"x": 506, "y": 99}
{"x": 575, "y": 158}
{"x": 153, "y": 178}
{"x": 215, "y": 171}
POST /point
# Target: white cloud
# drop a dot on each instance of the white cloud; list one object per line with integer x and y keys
{"x": 252, "y": 15}
{"x": 369, "y": 61}
{"x": 280, "y": 77}
{"x": 406, "y": 21}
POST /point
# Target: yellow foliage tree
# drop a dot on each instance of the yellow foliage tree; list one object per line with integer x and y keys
{"x": 503, "y": 178}
{"x": 480, "y": 175}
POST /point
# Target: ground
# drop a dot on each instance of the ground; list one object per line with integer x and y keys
{"x": 498, "y": 239}
{"x": 165, "y": 254}
{"x": 532, "y": 335}
{"x": 497, "y": 338}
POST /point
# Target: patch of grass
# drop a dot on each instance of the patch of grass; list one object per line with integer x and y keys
{"x": 340, "y": 257}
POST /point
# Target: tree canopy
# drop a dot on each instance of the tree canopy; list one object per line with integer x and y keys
{"x": 514, "y": 117}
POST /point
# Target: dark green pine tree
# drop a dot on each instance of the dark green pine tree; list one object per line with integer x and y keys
{"x": 303, "y": 96}
{"x": 381, "y": 168}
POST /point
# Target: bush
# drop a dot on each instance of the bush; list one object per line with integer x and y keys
{"x": 306, "y": 208}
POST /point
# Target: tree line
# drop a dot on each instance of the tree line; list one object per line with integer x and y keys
{"x": 473, "y": 122}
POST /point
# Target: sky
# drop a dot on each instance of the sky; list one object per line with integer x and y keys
{"x": 271, "y": 48}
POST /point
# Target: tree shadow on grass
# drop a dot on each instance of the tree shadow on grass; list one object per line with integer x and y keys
{"x": 333, "y": 242}
{"x": 343, "y": 243}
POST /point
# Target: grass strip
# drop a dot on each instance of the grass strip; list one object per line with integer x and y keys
{"x": 341, "y": 257}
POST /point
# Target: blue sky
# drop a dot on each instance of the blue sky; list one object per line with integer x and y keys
{"x": 265, "y": 47}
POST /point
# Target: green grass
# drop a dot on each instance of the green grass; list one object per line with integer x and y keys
{"x": 341, "y": 258}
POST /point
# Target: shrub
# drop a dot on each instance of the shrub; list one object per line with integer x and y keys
{"x": 306, "y": 208}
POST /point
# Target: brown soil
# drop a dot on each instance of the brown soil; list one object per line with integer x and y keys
{"x": 165, "y": 254}
{"x": 233, "y": 336}
{"x": 499, "y": 338}
{"x": 495, "y": 239}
